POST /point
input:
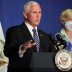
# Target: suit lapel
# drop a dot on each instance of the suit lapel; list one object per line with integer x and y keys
{"x": 26, "y": 32}
{"x": 27, "y": 36}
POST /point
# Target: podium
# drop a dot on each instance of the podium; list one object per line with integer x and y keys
{"x": 43, "y": 61}
{"x": 36, "y": 62}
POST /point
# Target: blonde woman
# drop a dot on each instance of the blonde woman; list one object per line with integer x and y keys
{"x": 66, "y": 31}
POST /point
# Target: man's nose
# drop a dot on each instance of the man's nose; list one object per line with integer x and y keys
{"x": 38, "y": 15}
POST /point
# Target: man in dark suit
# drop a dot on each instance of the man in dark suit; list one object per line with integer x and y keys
{"x": 20, "y": 42}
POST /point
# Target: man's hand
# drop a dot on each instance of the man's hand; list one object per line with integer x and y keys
{"x": 28, "y": 44}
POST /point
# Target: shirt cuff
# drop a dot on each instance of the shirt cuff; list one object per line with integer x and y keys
{"x": 21, "y": 52}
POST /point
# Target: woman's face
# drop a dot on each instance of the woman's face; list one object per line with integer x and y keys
{"x": 68, "y": 24}
{"x": 70, "y": 19}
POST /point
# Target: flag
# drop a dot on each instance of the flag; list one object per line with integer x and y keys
{"x": 1, "y": 34}
{"x": 2, "y": 56}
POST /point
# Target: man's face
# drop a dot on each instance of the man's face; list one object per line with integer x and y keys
{"x": 34, "y": 15}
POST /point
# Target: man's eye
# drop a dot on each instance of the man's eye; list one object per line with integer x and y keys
{"x": 40, "y": 12}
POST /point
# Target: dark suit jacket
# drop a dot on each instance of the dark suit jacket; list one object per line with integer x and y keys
{"x": 18, "y": 35}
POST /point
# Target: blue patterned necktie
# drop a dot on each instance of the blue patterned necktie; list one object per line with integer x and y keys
{"x": 36, "y": 39}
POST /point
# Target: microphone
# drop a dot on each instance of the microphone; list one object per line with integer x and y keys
{"x": 62, "y": 42}
{"x": 54, "y": 41}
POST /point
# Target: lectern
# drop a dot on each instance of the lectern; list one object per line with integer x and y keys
{"x": 36, "y": 62}
{"x": 43, "y": 61}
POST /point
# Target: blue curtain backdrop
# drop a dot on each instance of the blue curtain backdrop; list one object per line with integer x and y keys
{"x": 11, "y": 13}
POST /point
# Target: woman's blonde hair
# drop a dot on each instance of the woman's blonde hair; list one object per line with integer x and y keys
{"x": 65, "y": 15}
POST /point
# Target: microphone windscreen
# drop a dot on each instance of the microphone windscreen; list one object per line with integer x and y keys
{"x": 63, "y": 42}
{"x": 58, "y": 36}
{"x": 51, "y": 36}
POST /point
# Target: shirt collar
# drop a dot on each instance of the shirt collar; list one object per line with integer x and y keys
{"x": 65, "y": 36}
{"x": 64, "y": 33}
{"x": 30, "y": 28}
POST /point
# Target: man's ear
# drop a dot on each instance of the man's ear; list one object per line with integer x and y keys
{"x": 25, "y": 15}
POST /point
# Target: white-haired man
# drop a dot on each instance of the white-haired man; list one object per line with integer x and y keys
{"x": 21, "y": 40}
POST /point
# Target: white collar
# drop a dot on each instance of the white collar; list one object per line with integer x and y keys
{"x": 30, "y": 28}
{"x": 65, "y": 34}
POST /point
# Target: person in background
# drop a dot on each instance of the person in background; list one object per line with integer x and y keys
{"x": 66, "y": 31}
{"x": 3, "y": 59}
{"x": 24, "y": 39}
